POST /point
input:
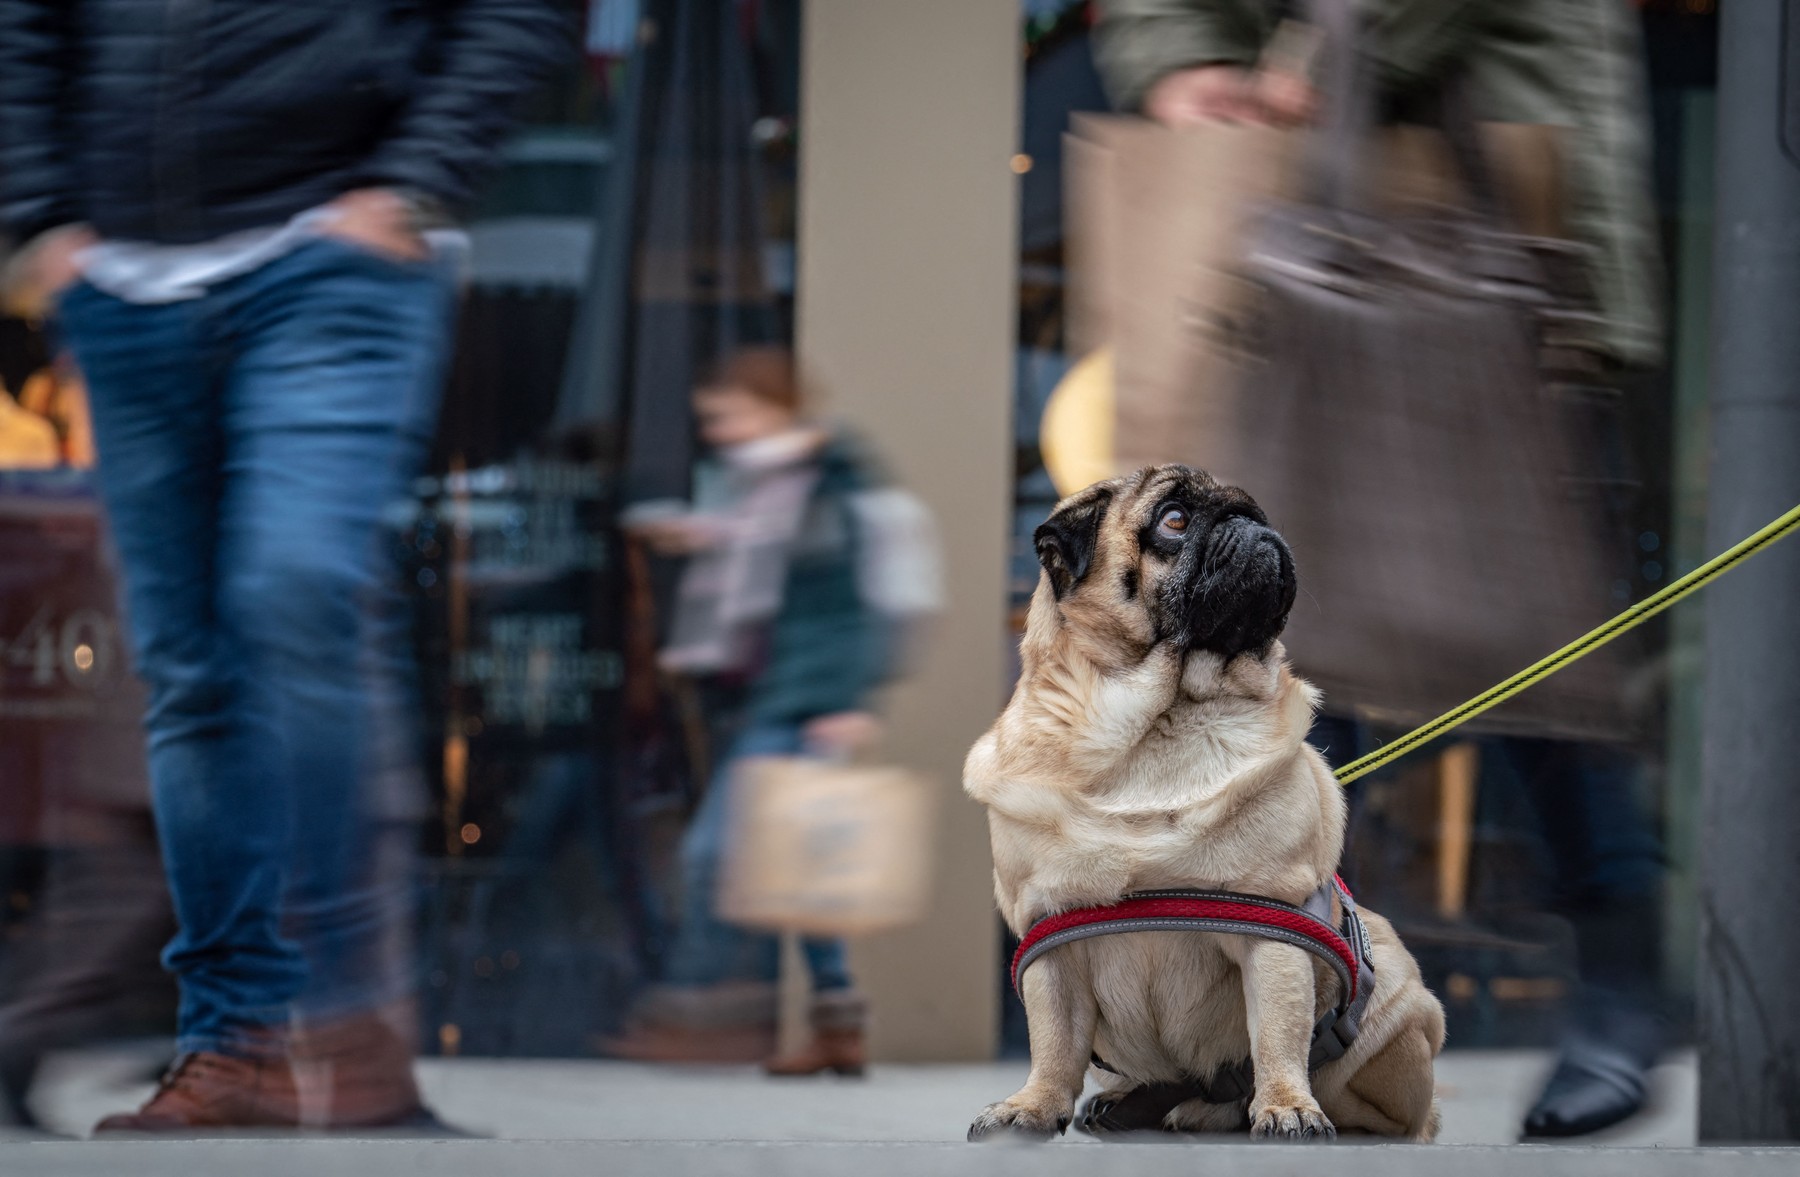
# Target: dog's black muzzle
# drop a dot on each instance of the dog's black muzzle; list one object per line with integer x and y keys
{"x": 1241, "y": 586}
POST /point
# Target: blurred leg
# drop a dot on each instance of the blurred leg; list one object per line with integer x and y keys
{"x": 1609, "y": 868}
{"x": 828, "y": 961}
{"x": 327, "y": 412}
{"x": 708, "y": 951}
{"x": 155, "y": 376}
{"x": 1603, "y": 844}
{"x": 838, "y": 1015}
{"x": 717, "y": 998}
{"x": 1341, "y": 739}
{"x": 102, "y": 916}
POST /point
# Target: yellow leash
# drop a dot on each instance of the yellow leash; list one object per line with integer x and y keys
{"x": 1576, "y": 650}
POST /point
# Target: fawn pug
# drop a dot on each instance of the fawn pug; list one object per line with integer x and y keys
{"x": 1156, "y": 739}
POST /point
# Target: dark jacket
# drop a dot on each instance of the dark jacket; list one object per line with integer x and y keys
{"x": 183, "y": 120}
{"x": 830, "y": 648}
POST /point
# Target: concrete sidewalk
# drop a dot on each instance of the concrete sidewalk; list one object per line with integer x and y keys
{"x": 489, "y": 1158}
{"x": 550, "y": 1118}
{"x": 1483, "y": 1095}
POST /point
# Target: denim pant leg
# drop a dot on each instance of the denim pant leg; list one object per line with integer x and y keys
{"x": 707, "y": 950}
{"x": 828, "y": 962}
{"x": 1601, "y": 841}
{"x": 155, "y": 377}
{"x": 827, "y": 957}
{"x": 251, "y": 440}
{"x": 330, "y": 404}
{"x": 1608, "y": 869}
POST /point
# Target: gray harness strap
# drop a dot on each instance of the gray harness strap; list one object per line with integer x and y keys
{"x": 1144, "y": 1107}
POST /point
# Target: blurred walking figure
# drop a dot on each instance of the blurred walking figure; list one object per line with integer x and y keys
{"x": 786, "y": 621}
{"x": 228, "y": 206}
{"x": 1574, "y": 64}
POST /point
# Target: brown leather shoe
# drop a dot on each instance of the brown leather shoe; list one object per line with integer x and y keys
{"x": 732, "y": 1022}
{"x": 839, "y": 1017}
{"x": 356, "y": 1072}
{"x": 649, "y": 1043}
{"x": 205, "y": 1090}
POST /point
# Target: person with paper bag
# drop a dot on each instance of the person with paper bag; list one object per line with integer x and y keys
{"x": 807, "y": 575}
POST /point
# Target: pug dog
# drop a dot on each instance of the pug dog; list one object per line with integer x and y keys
{"x": 1156, "y": 740}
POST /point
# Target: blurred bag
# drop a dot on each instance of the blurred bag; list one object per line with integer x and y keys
{"x": 1397, "y": 383}
{"x": 1157, "y": 219}
{"x": 1413, "y": 407}
{"x": 1441, "y": 497}
{"x": 1160, "y": 223}
{"x": 826, "y": 849}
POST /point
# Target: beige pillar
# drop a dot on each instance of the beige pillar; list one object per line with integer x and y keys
{"x": 907, "y": 280}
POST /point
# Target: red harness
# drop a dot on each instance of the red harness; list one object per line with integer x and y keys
{"x": 1344, "y": 947}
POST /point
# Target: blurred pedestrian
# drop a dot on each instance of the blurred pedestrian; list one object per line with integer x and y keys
{"x": 1574, "y": 64}
{"x": 780, "y": 626}
{"x": 229, "y": 207}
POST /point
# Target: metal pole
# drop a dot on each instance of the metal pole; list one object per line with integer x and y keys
{"x": 1749, "y": 983}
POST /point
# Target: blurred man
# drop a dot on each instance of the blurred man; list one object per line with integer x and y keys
{"x": 1574, "y": 64}
{"x": 228, "y": 205}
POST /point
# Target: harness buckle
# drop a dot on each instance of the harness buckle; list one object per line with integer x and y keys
{"x": 1229, "y": 1084}
{"x": 1332, "y": 1036}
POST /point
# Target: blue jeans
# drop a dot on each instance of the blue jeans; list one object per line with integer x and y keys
{"x": 251, "y": 440}
{"x": 708, "y": 951}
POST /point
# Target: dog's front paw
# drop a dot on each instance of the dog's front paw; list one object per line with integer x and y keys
{"x": 1295, "y": 1121}
{"x": 1018, "y": 1119}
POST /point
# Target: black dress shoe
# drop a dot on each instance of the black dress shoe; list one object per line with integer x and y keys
{"x": 16, "y": 1074}
{"x": 1595, "y": 1085}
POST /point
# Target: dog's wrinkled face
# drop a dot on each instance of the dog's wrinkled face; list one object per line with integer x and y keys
{"x": 1168, "y": 554}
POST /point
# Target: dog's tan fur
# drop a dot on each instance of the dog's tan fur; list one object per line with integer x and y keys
{"x": 1125, "y": 763}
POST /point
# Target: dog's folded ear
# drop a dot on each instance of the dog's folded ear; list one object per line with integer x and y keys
{"x": 1066, "y": 541}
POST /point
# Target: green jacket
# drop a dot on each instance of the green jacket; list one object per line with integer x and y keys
{"x": 1575, "y": 64}
{"x": 829, "y": 647}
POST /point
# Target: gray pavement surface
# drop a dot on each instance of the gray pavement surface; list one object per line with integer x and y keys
{"x": 486, "y": 1158}
{"x": 555, "y": 1117}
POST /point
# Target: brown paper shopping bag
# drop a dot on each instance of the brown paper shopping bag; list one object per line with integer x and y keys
{"x": 826, "y": 849}
{"x": 1157, "y": 222}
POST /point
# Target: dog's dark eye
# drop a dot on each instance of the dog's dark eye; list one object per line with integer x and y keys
{"x": 1174, "y": 521}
